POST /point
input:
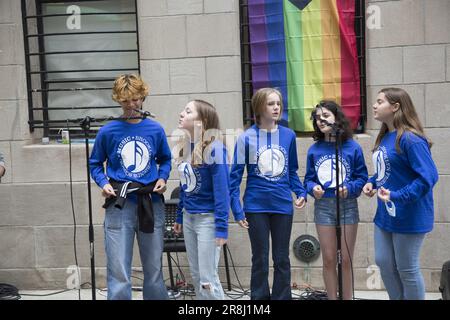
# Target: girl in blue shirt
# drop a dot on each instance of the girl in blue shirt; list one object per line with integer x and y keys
{"x": 269, "y": 153}
{"x": 405, "y": 175}
{"x": 320, "y": 183}
{"x": 204, "y": 196}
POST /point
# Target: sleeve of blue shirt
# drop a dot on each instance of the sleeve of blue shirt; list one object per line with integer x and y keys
{"x": 419, "y": 157}
{"x": 221, "y": 189}
{"x": 237, "y": 170}
{"x": 180, "y": 207}
{"x": 164, "y": 157}
{"x": 359, "y": 175}
{"x": 310, "y": 177}
{"x": 98, "y": 157}
{"x": 294, "y": 181}
{"x": 373, "y": 181}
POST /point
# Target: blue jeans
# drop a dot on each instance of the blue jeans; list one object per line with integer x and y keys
{"x": 203, "y": 254}
{"x": 325, "y": 211}
{"x": 279, "y": 227}
{"x": 397, "y": 255}
{"x": 121, "y": 226}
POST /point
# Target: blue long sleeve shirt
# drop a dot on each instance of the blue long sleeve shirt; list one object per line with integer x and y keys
{"x": 321, "y": 168}
{"x": 271, "y": 162}
{"x": 136, "y": 152}
{"x": 205, "y": 188}
{"x": 410, "y": 176}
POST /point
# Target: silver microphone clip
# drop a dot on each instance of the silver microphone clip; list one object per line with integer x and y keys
{"x": 145, "y": 114}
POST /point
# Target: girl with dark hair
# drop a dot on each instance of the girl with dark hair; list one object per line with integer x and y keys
{"x": 320, "y": 183}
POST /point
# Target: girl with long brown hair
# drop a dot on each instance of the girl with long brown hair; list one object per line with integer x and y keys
{"x": 405, "y": 175}
{"x": 204, "y": 196}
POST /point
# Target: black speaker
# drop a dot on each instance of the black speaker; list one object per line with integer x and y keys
{"x": 444, "y": 287}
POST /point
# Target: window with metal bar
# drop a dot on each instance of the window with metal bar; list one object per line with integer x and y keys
{"x": 246, "y": 64}
{"x": 74, "y": 50}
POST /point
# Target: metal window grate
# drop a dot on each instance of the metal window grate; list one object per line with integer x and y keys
{"x": 55, "y": 92}
{"x": 246, "y": 67}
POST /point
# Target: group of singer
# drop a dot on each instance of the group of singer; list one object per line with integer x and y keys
{"x": 139, "y": 160}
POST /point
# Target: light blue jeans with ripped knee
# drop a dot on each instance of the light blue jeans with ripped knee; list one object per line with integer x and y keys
{"x": 203, "y": 254}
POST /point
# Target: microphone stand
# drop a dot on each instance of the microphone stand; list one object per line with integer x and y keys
{"x": 86, "y": 125}
{"x": 335, "y": 133}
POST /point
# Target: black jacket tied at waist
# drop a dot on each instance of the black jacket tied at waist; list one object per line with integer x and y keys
{"x": 144, "y": 204}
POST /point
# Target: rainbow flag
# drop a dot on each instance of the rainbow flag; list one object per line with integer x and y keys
{"x": 306, "y": 49}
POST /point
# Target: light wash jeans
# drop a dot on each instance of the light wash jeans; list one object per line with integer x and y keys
{"x": 398, "y": 257}
{"x": 121, "y": 226}
{"x": 203, "y": 254}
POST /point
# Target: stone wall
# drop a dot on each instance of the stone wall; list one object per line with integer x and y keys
{"x": 190, "y": 49}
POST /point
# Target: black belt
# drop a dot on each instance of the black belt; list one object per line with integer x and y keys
{"x": 144, "y": 197}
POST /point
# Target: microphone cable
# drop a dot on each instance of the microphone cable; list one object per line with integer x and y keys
{"x": 345, "y": 235}
{"x": 9, "y": 292}
{"x": 241, "y": 292}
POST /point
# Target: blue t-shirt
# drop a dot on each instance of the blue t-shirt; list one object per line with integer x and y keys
{"x": 321, "y": 168}
{"x": 205, "y": 188}
{"x": 132, "y": 152}
{"x": 271, "y": 162}
{"x": 410, "y": 176}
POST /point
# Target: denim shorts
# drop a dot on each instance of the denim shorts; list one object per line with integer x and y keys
{"x": 325, "y": 211}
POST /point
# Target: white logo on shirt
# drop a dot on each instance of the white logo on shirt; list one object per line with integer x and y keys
{"x": 326, "y": 171}
{"x": 189, "y": 178}
{"x": 135, "y": 155}
{"x": 271, "y": 162}
{"x": 381, "y": 165}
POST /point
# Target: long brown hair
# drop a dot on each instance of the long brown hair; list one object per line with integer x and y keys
{"x": 405, "y": 118}
{"x": 209, "y": 120}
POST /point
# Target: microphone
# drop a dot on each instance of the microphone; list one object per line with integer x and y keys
{"x": 145, "y": 114}
{"x": 328, "y": 124}
{"x": 333, "y": 125}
